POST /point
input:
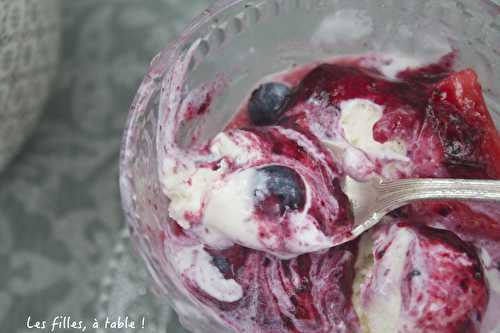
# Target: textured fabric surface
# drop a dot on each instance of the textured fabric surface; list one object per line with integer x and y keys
{"x": 60, "y": 215}
{"x": 29, "y": 53}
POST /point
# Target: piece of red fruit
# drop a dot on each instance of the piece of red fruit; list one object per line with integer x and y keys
{"x": 469, "y": 136}
{"x": 471, "y": 146}
{"x": 428, "y": 278}
{"x": 444, "y": 287}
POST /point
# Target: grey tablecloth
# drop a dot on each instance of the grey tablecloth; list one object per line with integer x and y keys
{"x": 60, "y": 215}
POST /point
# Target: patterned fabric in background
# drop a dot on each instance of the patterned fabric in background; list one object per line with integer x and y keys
{"x": 60, "y": 214}
{"x": 29, "y": 53}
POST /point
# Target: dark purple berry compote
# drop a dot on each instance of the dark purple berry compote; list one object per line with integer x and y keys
{"x": 254, "y": 212}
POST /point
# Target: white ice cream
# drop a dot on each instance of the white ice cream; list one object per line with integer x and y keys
{"x": 357, "y": 118}
{"x": 492, "y": 274}
{"x": 383, "y": 310}
{"x": 355, "y": 146}
{"x": 228, "y": 213}
{"x": 187, "y": 185}
{"x": 229, "y": 216}
{"x": 222, "y": 203}
{"x": 195, "y": 264}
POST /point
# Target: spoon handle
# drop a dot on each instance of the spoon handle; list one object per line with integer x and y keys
{"x": 407, "y": 190}
{"x": 392, "y": 194}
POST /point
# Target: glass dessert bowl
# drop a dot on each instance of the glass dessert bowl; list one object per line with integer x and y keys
{"x": 227, "y": 277}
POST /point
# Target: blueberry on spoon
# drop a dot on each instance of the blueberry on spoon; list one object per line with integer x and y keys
{"x": 222, "y": 264}
{"x": 283, "y": 190}
{"x": 267, "y": 103}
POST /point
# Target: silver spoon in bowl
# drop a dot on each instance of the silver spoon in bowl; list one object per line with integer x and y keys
{"x": 374, "y": 199}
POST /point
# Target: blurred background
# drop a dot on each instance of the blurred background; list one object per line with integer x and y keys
{"x": 69, "y": 70}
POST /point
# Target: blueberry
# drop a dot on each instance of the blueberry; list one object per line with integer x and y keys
{"x": 267, "y": 103}
{"x": 413, "y": 273}
{"x": 284, "y": 190}
{"x": 222, "y": 264}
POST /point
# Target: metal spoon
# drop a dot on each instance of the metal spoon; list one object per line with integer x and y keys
{"x": 372, "y": 200}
